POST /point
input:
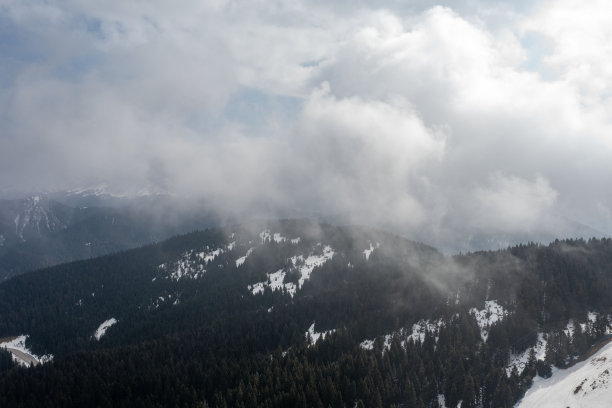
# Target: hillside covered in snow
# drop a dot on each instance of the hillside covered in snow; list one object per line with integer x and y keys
{"x": 587, "y": 384}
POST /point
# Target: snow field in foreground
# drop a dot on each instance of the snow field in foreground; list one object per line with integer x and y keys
{"x": 587, "y": 384}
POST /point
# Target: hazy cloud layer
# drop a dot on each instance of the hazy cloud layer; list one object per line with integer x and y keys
{"x": 464, "y": 116}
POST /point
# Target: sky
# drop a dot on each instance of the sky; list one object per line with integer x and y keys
{"x": 466, "y": 115}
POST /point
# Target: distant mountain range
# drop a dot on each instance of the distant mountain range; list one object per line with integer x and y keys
{"x": 45, "y": 230}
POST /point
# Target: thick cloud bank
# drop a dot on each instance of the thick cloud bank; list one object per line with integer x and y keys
{"x": 468, "y": 117}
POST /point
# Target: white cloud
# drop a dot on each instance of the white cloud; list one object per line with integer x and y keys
{"x": 428, "y": 117}
{"x": 514, "y": 204}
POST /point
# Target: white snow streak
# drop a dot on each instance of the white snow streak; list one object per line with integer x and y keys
{"x": 241, "y": 260}
{"x": 101, "y": 330}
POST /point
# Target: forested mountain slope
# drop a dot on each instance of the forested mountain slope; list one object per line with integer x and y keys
{"x": 293, "y": 313}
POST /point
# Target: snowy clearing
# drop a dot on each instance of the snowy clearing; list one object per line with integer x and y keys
{"x": 520, "y": 360}
{"x": 492, "y": 312}
{"x": 368, "y": 252}
{"x": 240, "y": 261}
{"x": 417, "y": 334}
{"x": 192, "y": 264}
{"x": 587, "y": 384}
{"x": 276, "y": 280}
{"x": 307, "y": 266}
{"x": 420, "y": 329}
{"x": 101, "y": 330}
{"x": 23, "y": 355}
{"x": 268, "y": 236}
{"x": 314, "y": 336}
{"x": 265, "y": 236}
{"x": 367, "y": 344}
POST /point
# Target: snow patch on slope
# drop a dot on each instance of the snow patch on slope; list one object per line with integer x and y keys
{"x": 492, "y": 313}
{"x": 241, "y": 260}
{"x": 101, "y": 330}
{"x": 420, "y": 329}
{"x": 368, "y": 252}
{"x": 23, "y": 355}
{"x": 265, "y": 236}
{"x": 520, "y": 360}
{"x": 367, "y": 344}
{"x": 276, "y": 280}
{"x": 192, "y": 264}
{"x": 570, "y": 329}
{"x": 587, "y": 384}
{"x": 314, "y": 336}
{"x": 307, "y": 265}
{"x": 268, "y": 236}
{"x": 417, "y": 334}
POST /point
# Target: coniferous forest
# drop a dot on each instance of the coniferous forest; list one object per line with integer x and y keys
{"x": 296, "y": 314}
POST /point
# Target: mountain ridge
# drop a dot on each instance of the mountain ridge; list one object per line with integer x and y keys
{"x": 379, "y": 298}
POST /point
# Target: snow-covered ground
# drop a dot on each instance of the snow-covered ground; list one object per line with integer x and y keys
{"x": 101, "y": 330}
{"x": 587, "y": 384}
{"x": 417, "y": 334}
{"x": 367, "y": 344}
{"x": 520, "y": 360}
{"x": 569, "y": 329}
{"x": 267, "y": 236}
{"x": 192, "y": 264}
{"x": 241, "y": 260}
{"x": 276, "y": 280}
{"x": 368, "y": 252}
{"x": 492, "y": 312}
{"x": 420, "y": 329}
{"x": 23, "y": 355}
{"x": 314, "y": 336}
{"x": 307, "y": 265}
